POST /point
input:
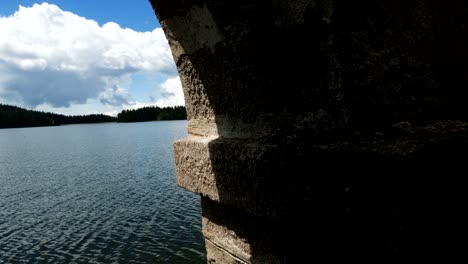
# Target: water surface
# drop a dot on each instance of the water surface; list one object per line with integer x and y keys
{"x": 101, "y": 193}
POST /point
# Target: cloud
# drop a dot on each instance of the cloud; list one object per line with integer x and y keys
{"x": 171, "y": 93}
{"x": 52, "y": 57}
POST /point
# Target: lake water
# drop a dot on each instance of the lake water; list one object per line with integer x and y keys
{"x": 101, "y": 193}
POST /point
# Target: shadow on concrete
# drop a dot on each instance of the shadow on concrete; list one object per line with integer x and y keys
{"x": 333, "y": 180}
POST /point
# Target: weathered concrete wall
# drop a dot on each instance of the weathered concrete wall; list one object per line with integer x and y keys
{"x": 289, "y": 101}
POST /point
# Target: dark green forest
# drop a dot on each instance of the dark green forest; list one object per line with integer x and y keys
{"x": 14, "y": 117}
{"x": 153, "y": 113}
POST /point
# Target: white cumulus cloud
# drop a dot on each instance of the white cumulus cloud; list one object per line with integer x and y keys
{"x": 171, "y": 93}
{"x": 52, "y": 57}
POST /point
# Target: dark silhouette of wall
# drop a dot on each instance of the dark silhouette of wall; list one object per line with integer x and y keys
{"x": 315, "y": 127}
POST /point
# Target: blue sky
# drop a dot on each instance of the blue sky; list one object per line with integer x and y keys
{"x": 134, "y": 14}
{"x": 85, "y": 56}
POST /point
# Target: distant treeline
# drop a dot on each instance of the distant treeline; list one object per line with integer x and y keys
{"x": 152, "y": 113}
{"x": 12, "y": 117}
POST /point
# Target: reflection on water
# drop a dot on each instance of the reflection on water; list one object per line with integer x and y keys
{"x": 101, "y": 193}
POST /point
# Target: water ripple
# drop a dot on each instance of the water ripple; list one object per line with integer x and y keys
{"x": 96, "y": 194}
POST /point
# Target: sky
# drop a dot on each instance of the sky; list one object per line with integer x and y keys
{"x": 78, "y": 57}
